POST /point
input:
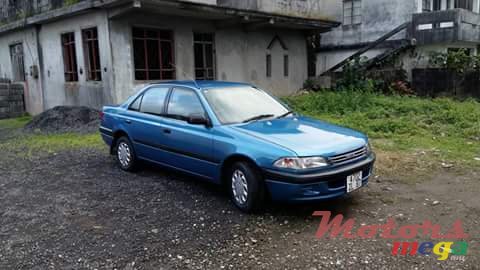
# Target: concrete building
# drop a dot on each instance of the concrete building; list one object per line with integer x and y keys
{"x": 430, "y": 25}
{"x": 96, "y": 52}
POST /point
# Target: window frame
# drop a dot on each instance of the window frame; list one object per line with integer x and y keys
{"x": 159, "y": 40}
{"x": 203, "y": 44}
{"x": 182, "y": 118}
{"x": 18, "y": 69}
{"x": 286, "y": 65}
{"x": 467, "y": 3}
{"x": 92, "y": 72}
{"x": 72, "y": 63}
{"x": 352, "y": 14}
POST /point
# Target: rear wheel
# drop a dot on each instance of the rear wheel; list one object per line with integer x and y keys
{"x": 246, "y": 187}
{"x": 125, "y": 154}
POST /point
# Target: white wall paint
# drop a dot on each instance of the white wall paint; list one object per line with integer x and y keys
{"x": 33, "y": 94}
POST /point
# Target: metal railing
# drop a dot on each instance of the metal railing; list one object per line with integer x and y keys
{"x": 455, "y": 25}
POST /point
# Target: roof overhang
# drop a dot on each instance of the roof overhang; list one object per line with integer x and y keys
{"x": 223, "y": 17}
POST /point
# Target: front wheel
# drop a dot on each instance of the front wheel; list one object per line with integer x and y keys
{"x": 125, "y": 154}
{"x": 246, "y": 187}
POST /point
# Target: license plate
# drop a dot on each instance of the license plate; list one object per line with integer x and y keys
{"x": 354, "y": 181}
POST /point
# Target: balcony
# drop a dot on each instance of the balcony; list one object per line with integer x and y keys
{"x": 20, "y": 9}
{"x": 446, "y": 26}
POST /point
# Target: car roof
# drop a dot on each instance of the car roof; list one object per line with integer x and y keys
{"x": 201, "y": 85}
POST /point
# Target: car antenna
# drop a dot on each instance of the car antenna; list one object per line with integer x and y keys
{"x": 186, "y": 75}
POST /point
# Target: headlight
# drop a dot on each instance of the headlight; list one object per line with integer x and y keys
{"x": 300, "y": 163}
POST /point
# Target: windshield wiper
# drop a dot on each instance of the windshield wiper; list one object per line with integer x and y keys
{"x": 258, "y": 117}
{"x": 285, "y": 114}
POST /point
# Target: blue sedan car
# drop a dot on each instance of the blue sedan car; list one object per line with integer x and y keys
{"x": 240, "y": 136}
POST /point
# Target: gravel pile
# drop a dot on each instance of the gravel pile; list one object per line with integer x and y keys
{"x": 65, "y": 119}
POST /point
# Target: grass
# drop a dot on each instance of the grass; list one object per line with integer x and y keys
{"x": 444, "y": 129}
{"x": 26, "y": 145}
{"x": 38, "y": 144}
{"x": 403, "y": 129}
{"x": 14, "y": 123}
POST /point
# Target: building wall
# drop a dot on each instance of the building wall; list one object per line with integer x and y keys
{"x": 240, "y": 56}
{"x": 326, "y": 60}
{"x": 378, "y": 18}
{"x": 84, "y": 92}
{"x": 33, "y": 94}
{"x": 317, "y": 9}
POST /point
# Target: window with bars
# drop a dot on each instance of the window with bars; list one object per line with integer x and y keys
{"x": 204, "y": 50}
{"x": 69, "y": 57}
{"x": 92, "y": 54}
{"x": 465, "y": 4}
{"x": 153, "y": 54}
{"x": 18, "y": 65}
{"x": 352, "y": 12}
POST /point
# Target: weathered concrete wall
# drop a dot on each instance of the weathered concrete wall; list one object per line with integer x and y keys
{"x": 90, "y": 93}
{"x": 317, "y": 9}
{"x": 11, "y": 99}
{"x": 33, "y": 89}
{"x": 240, "y": 55}
{"x": 378, "y": 18}
{"x": 209, "y": 2}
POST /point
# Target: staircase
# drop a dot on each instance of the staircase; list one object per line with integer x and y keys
{"x": 401, "y": 46}
{"x": 379, "y": 60}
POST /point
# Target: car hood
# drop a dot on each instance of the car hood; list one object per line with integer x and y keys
{"x": 306, "y": 136}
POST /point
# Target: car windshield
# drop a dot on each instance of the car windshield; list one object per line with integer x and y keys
{"x": 243, "y": 104}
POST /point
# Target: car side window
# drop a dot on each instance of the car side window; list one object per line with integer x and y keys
{"x": 153, "y": 100}
{"x": 183, "y": 103}
{"x": 135, "y": 106}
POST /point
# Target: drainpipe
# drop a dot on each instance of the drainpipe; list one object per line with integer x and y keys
{"x": 40, "y": 64}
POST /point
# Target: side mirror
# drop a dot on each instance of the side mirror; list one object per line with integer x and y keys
{"x": 198, "y": 119}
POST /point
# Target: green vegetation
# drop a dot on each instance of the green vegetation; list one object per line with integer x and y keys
{"x": 36, "y": 144}
{"x": 449, "y": 130}
{"x": 14, "y": 123}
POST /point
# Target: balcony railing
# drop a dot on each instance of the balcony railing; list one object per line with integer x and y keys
{"x": 447, "y": 26}
{"x": 12, "y": 10}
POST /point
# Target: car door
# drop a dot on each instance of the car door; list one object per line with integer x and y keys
{"x": 190, "y": 146}
{"x": 144, "y": 122}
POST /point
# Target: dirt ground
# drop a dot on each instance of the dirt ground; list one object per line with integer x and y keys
{"x": 77, "y": 210}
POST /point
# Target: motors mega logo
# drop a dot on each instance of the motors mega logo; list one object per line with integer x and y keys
{"x": 443, "y": 249}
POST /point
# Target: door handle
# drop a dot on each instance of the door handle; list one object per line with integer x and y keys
{"x": 168, "y": 131}
{"x": 128, "y": 121}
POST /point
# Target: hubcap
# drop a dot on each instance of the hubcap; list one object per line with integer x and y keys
{"x": 124, "y": 155}
{"x": 239, "y": 187}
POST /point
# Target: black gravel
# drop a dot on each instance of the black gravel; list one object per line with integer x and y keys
{"x": 65, "y": 119}
{"x": 77, "y": 210}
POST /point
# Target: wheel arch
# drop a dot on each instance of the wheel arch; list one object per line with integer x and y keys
{"x": 117, "y": 135}
{"x": 230, "y": 160}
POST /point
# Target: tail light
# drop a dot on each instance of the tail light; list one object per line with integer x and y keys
{"x": 101, "y": 114}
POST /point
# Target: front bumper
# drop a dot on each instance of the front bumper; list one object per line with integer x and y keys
{"x": 328, "y": 184}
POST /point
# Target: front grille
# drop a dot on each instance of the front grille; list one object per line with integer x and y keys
{"x": 348, "y": 156}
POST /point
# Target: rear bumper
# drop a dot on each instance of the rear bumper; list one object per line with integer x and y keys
{"x": 107, "y": 135}
{"x": 316, "y": 186}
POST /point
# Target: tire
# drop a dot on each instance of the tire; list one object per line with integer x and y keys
{"x": 125, "y": 154}
{"x": 243, "y": 174}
